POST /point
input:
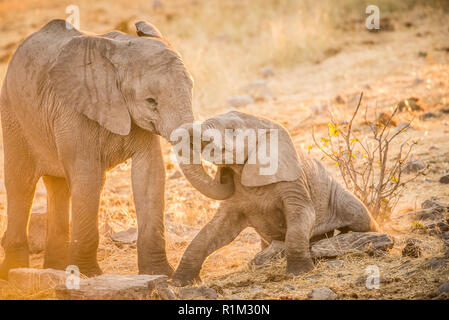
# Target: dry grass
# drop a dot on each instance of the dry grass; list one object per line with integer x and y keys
{"x": 318, "y": 50}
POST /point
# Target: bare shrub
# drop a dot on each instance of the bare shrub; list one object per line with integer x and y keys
{"x": 369, "y": 167}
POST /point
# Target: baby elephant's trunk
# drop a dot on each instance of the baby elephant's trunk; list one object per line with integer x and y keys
{"x": 352, "y": 211}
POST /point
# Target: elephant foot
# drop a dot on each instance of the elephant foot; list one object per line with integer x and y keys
{"x": 165, "y": 269}
{"x": 182, "y": 280}
{"x": 89, "y": 271}
{"x": 299, "y": 266}
{"x": 18, "y": 259}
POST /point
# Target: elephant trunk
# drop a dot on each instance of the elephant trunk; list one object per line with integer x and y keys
{"x": 220, "y": 188}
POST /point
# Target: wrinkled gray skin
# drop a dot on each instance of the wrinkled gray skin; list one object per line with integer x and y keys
{"x": 74, "y": 105}
{"x": 299, "y": 202}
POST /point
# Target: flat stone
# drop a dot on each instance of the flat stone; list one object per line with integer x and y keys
{"x": 266, "y": 72}
{"x": 435, "y": 263}
{"x": 322, "y": 293}
{"x": 414, "y": 166}
{"x": 240, "y": 101}
{"x": 36, "y": 280}
{"x": 274, "y": 251}
{"x": 125, "y": 237}
{"x": 112, "y": 287}
{"x": 437, "y": 227}
{"x": 351, "y": 242}
{"x": 176, "y": 175}
{"x": 339, "y": 245}
{"x": 336, "y": 264}
{"x": 197, "y": 293}
{"x": 444, "y": 179}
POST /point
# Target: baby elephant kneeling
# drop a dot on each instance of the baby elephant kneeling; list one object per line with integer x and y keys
{"x": 294, "y": 202}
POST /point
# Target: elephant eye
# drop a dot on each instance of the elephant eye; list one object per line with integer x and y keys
{"x": 152, "y": 101}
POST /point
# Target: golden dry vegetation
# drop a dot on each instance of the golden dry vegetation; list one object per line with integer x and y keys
{"x": 317, "y": 51}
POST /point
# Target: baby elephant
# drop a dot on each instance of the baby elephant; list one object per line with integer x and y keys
{"x": 297, "y": 201}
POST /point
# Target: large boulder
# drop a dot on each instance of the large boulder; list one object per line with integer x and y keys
{"x": 112, "y": 287}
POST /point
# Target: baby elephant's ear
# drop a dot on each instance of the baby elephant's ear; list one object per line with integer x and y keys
{"x": 272, "y": 159}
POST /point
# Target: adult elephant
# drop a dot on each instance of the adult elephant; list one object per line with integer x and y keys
{"x": 74, "y": 105}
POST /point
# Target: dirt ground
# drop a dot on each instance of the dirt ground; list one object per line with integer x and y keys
{"x": 411, "y": 60}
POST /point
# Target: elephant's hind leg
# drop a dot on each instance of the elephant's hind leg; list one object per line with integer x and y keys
{"x": 20, "y": 183}
{"x": 58, "y": 236}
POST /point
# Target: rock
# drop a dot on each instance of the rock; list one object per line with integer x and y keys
{"x": 274, "y": 251}
{"x": 410, "y": 104}
{"x": 112, "y": 287}
{"x": 434, "y": 204}
{"x": 240, "y": 101}
{"x": 254, "y": 290}
{"x": 339, "y": 100}
{"x": 435, "y": 263}
{"x": 322, "y": 293}
{"x": 428, "y": 115}
{"x": 37, "y": 230}
{"x": 125, "y": 237}
{"x": 266, "y": 72}
{"x": 445, "y": 109}
{"x": 413, "y": 166}
{"x": 176, "y": 175}
{"x": 445, "y": 179}
{"x": 341, "y": 244}
{"x": 258, "y": 90}
{"x": 319, "y": 109}
{"x": 289, "y": 287}
{"x": 422, "y": 54}
{"x": 197, "y": 293}
{"x": 436, "y": 227}
{"x": 105, "y": 229}
{"x": 164, "y": 291}
{"x": 384, "y": 119}
{"x": 412, "y": 249}
{"x": 369, "y": 242}
{"x": 36, "y": 280}
{"x": 444, "y": 288}
{"x": 336, "y": 264}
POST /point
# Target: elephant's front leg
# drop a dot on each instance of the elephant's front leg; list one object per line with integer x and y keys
{"x": 300, "y": 220}
{"x": 148, "y": 181}
{"x": 220, "y": 231}
{"x": 85, "y": 187}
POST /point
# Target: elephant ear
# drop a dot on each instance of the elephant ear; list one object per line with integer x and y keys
{"x": 146, "y": 29}
{"x": 84, "y": 78}
{"x": 276, "y": 143}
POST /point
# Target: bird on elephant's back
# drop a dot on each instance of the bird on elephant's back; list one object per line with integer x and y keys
{"x": 76, "y": 104}
{"x": 298, "y": 201}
